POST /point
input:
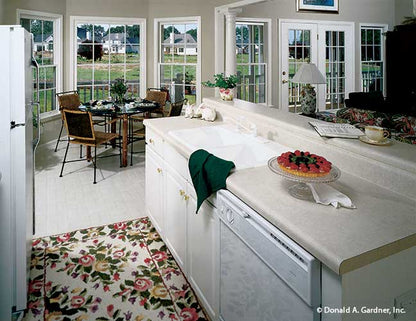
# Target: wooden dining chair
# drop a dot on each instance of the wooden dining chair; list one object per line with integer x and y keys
{"x": 67, "y": 100}
{"x": 80, "y": 128}
{"x": 175, "y": 109}
{"x": 70, "y": 100}
{"x": 159, "y": 95}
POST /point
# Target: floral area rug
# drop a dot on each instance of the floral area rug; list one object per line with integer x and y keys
{"x": 118, "y": 272}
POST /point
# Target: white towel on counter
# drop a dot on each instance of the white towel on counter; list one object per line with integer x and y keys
{"x": 327, "y": 195}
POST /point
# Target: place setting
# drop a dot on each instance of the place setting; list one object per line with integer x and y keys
{"x": 375, "y": 135}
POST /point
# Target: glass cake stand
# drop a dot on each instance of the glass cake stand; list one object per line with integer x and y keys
{"x": 301, "y": 190}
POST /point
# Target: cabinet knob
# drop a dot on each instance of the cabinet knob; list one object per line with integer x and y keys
{"x": 181, "y": 192}
{"x": 151, "y": 141}
{"x": 186, "y": 197}
{"x": 159, "y": 170}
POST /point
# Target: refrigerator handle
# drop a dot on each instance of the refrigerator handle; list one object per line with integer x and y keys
{"x": 36, "y": 65}
{"x": 37, "y": 102}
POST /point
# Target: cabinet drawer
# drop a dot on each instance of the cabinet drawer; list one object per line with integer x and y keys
{"x": 177, "y": 161}
{"x": 155, "y": 142}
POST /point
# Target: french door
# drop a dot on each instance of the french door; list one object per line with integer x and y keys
{"x": 330, "y": 47}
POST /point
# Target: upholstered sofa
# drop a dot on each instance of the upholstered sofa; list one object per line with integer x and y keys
{"x": 371, "y": 109}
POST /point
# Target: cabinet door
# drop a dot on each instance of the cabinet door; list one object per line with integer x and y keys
{"x": 203, "y": 251}
{"x": 175, "y": 218}
{"x": 154, "y": 189}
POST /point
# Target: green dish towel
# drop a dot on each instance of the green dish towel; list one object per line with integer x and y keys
{"x": 208, "y": 174}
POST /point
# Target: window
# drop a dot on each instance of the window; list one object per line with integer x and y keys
{"x": 46, "y": 30}
{"x": 251, "y": 62}
{"x": 372, "y": 58}
{"x": 178, "y": 61}
{"x": 107, "y": 49}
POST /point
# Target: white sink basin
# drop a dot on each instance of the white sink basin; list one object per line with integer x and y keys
{"x": 225, "y": 142}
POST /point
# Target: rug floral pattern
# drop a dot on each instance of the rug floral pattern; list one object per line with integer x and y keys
{"x": 118, "y": 272}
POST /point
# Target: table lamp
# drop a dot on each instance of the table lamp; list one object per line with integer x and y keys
{"x": 308, "y": 74}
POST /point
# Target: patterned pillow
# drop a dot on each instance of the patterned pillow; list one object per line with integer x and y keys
{"x": 362, "y": 116}
{"x": 404, "y": 124}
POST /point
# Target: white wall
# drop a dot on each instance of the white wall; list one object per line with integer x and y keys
{"x": 2, "y": 9}
{"x": 403, "y": 8}
{"x": 10, "y": 6}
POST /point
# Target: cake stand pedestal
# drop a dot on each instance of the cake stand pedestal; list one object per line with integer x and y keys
{"x": 301, "y": 190}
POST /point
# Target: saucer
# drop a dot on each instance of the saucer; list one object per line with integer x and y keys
{"x": 367, "y": 140}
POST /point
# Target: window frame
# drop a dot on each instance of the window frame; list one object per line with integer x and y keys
{"x": 267, "y": 51}
{"x": 157, "y": 48}
{"x": 57, "y": 44}
{"x": 75, "y": 20}
{"x": 384, "y": 28}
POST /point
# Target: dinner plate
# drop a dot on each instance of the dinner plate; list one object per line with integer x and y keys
{"x": 367, "y": 140}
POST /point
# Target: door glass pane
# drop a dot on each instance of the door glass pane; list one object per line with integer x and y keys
{"x": 299, "y": 53}
{"x": 335, "y": 65}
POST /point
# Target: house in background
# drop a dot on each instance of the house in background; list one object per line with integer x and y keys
{"x": 43, "y": 42}
{"x": 114, "y": 43}
{"x": 181, "y": 44}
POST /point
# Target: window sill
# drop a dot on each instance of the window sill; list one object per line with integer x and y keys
{"x": 50, "y": 116}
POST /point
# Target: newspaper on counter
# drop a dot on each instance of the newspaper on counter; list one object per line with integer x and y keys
{"x": 336, "y": 130}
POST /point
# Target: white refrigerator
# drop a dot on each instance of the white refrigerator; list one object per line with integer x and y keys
{"x": 16, "y": 167}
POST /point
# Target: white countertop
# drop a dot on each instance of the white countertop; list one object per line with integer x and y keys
{"x": 384, "y": 222}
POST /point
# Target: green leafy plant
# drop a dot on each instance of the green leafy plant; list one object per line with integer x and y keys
{"x": 222, "y": 82}
{"x": 118, "y": 89}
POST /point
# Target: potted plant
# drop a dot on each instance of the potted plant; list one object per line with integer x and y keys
{"x": 225, "y": 84}
{"x": 118, "y": 89}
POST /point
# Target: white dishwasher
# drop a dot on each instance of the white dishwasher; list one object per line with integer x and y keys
{"x": 264, "y": 275}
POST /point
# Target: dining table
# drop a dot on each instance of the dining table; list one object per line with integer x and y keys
{"x": 122, "y": 111}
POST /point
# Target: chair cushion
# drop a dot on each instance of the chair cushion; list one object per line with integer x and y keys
{"x": 100, "y": 138}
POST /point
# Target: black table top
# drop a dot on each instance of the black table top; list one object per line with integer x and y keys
{"x": 110, "y": 108}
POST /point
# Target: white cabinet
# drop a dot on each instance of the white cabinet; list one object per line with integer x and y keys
{"x": 193, "y": 239}
{"x": 175, "y": 216}
{"x": 203, "y": 254}
{"x": 155, "y": 189}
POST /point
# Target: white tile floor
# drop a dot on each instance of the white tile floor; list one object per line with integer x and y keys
{"x": 72, "y": 202}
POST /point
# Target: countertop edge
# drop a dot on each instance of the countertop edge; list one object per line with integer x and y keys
{"x": 375, "y": 255}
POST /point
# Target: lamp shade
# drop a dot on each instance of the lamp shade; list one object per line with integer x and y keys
{"x": 309, "y": 74}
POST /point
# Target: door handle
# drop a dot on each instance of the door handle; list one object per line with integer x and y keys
{"x": 284, "y": 81}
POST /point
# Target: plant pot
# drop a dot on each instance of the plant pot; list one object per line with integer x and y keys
{"x": 227, "y": 94}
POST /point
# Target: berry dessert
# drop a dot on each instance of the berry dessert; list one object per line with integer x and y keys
{"x": 304, "y": 164}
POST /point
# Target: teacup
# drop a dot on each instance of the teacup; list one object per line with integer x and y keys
{"x": 375, "y": 133}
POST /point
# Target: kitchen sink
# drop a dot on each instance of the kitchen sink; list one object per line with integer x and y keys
{"x": 227, "y": 142}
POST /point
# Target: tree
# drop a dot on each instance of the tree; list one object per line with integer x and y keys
{"x": 193, "y": 33}
{"x": 167, "y": 31}
{"x": 36, "y": 27}
{"x": 87, "y": 50}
